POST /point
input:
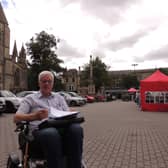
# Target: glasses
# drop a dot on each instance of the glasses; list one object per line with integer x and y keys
{"x": 46, "y": 81}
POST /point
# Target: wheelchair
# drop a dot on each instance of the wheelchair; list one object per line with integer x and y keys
{"x": 31, "y": 156}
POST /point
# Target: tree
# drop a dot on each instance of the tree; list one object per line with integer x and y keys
{"x": 100, "y": 74}
{"x": 164, "y": 70}
{"x": 129, "y": 81}
{"x": 42, "y": 52}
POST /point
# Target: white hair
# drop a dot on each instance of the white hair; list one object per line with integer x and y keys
{"x": 44, "y": 73}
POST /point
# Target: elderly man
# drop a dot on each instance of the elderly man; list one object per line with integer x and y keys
{"x": 36, "y": 107}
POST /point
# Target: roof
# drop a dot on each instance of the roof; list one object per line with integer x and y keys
{"x": 2, "y": 16}
{"x": 157, "y": 76}
{"x": 132, "y": 90}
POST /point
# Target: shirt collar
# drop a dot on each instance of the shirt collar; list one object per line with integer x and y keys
{"x": 41, "y": 96}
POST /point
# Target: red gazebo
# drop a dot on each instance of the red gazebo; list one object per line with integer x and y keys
{"x": 154, "y": 92}
{"x": 132, "y": 90}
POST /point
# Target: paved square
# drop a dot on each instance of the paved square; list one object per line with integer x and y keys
{"x": 117, "y": 135}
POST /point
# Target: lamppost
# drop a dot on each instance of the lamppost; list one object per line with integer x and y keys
{"x": 134, "y": 65}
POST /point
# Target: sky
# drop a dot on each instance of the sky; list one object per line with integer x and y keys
{"x": 122, "y": 33}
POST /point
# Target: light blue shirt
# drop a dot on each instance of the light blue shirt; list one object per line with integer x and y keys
{"x": 37, "y": 101}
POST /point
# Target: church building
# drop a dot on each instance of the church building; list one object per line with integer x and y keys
{"x": 13, "y": 68}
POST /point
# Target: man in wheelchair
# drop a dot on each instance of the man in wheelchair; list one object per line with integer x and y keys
{"x": 53, "y": 142}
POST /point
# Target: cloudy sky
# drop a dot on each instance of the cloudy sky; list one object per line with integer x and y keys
{"x": 120, "y": 32}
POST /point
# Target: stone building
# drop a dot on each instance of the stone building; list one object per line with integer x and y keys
{"x": 13, "y": 68}
{"x": 117, "y": 76}
{"x": 71, "y": 80}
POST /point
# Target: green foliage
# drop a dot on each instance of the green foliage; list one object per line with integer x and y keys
{"x": 42, "y": 52}
{"x": 129, "y": 81}
{"x": 164, "y": 70}
{"x": 100, "y": 74}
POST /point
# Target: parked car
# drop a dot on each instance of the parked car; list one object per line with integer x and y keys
{"x": 90, "y": 99}
{"x": 126, "y": 97}
{"x": 25, "y": 93}
{"x": 71, "y": 101}
{"x": 74, "y": 94}
{"x": 2, "y": 105}
{"x": 12, "y": 102}
{"x": 110, "y": 96}
{"x": 100, "y": 98}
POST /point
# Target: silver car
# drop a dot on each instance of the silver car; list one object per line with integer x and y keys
{"x": 74, "y": 94}
{"x": 12, "y": 102}
{"x": 25, "y": 93}
{"x": 71, "y": 101}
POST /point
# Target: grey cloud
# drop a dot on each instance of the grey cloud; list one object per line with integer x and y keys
{"x": 158, "y": 54}
{"x": 66, "y": 50}
{"x": 110, "y": 11}
{"x": 125, "y": 42}
{"x": 91, "y": 4}
{"x": 13, "y": 3}
{"x": 105, "y": 3}
{"x": 138, "y": 59}
{"x": 99, "y": 52}
{"x": 67, "y": 2}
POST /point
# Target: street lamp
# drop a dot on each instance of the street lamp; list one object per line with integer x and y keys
{"x": 134, "y": 65}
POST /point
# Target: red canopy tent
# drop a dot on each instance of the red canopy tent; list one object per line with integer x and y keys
{"x": 154, "y": 92}
{"x": 132, "y": 90}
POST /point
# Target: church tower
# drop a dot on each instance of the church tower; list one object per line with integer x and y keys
{"x": 15, "y": 53}
{"x": 22, "y": 57}
{"x": 13, "y": 69}
{"x": 4, "y": 48}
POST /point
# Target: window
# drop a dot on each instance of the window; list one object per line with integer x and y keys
{"x": 156, "y": 97}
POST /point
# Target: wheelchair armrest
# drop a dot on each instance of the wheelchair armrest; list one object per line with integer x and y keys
{"x": 21, "y": 126}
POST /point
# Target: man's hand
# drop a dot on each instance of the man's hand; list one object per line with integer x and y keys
{"x": 41, "y": 114}
{"x": 36, "y": 115}
{"x": 72, "y": 109}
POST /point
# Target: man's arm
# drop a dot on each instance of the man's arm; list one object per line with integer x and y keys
{"x": 38, "y": 115}
{"x": 63, "y": 104}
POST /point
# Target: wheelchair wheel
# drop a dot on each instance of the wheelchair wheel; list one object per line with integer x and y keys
{"x": 83, "y": 164}
{"x": 13, "y": 161}
{"x": 36, "y": 164}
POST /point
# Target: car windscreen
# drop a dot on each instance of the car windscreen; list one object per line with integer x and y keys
{"x": 73, "y": 94}
{"x": 6, "y": 93}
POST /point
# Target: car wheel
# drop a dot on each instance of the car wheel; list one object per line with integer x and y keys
{"x": 73, "y": 103}
{"x": 10, "y": 108}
